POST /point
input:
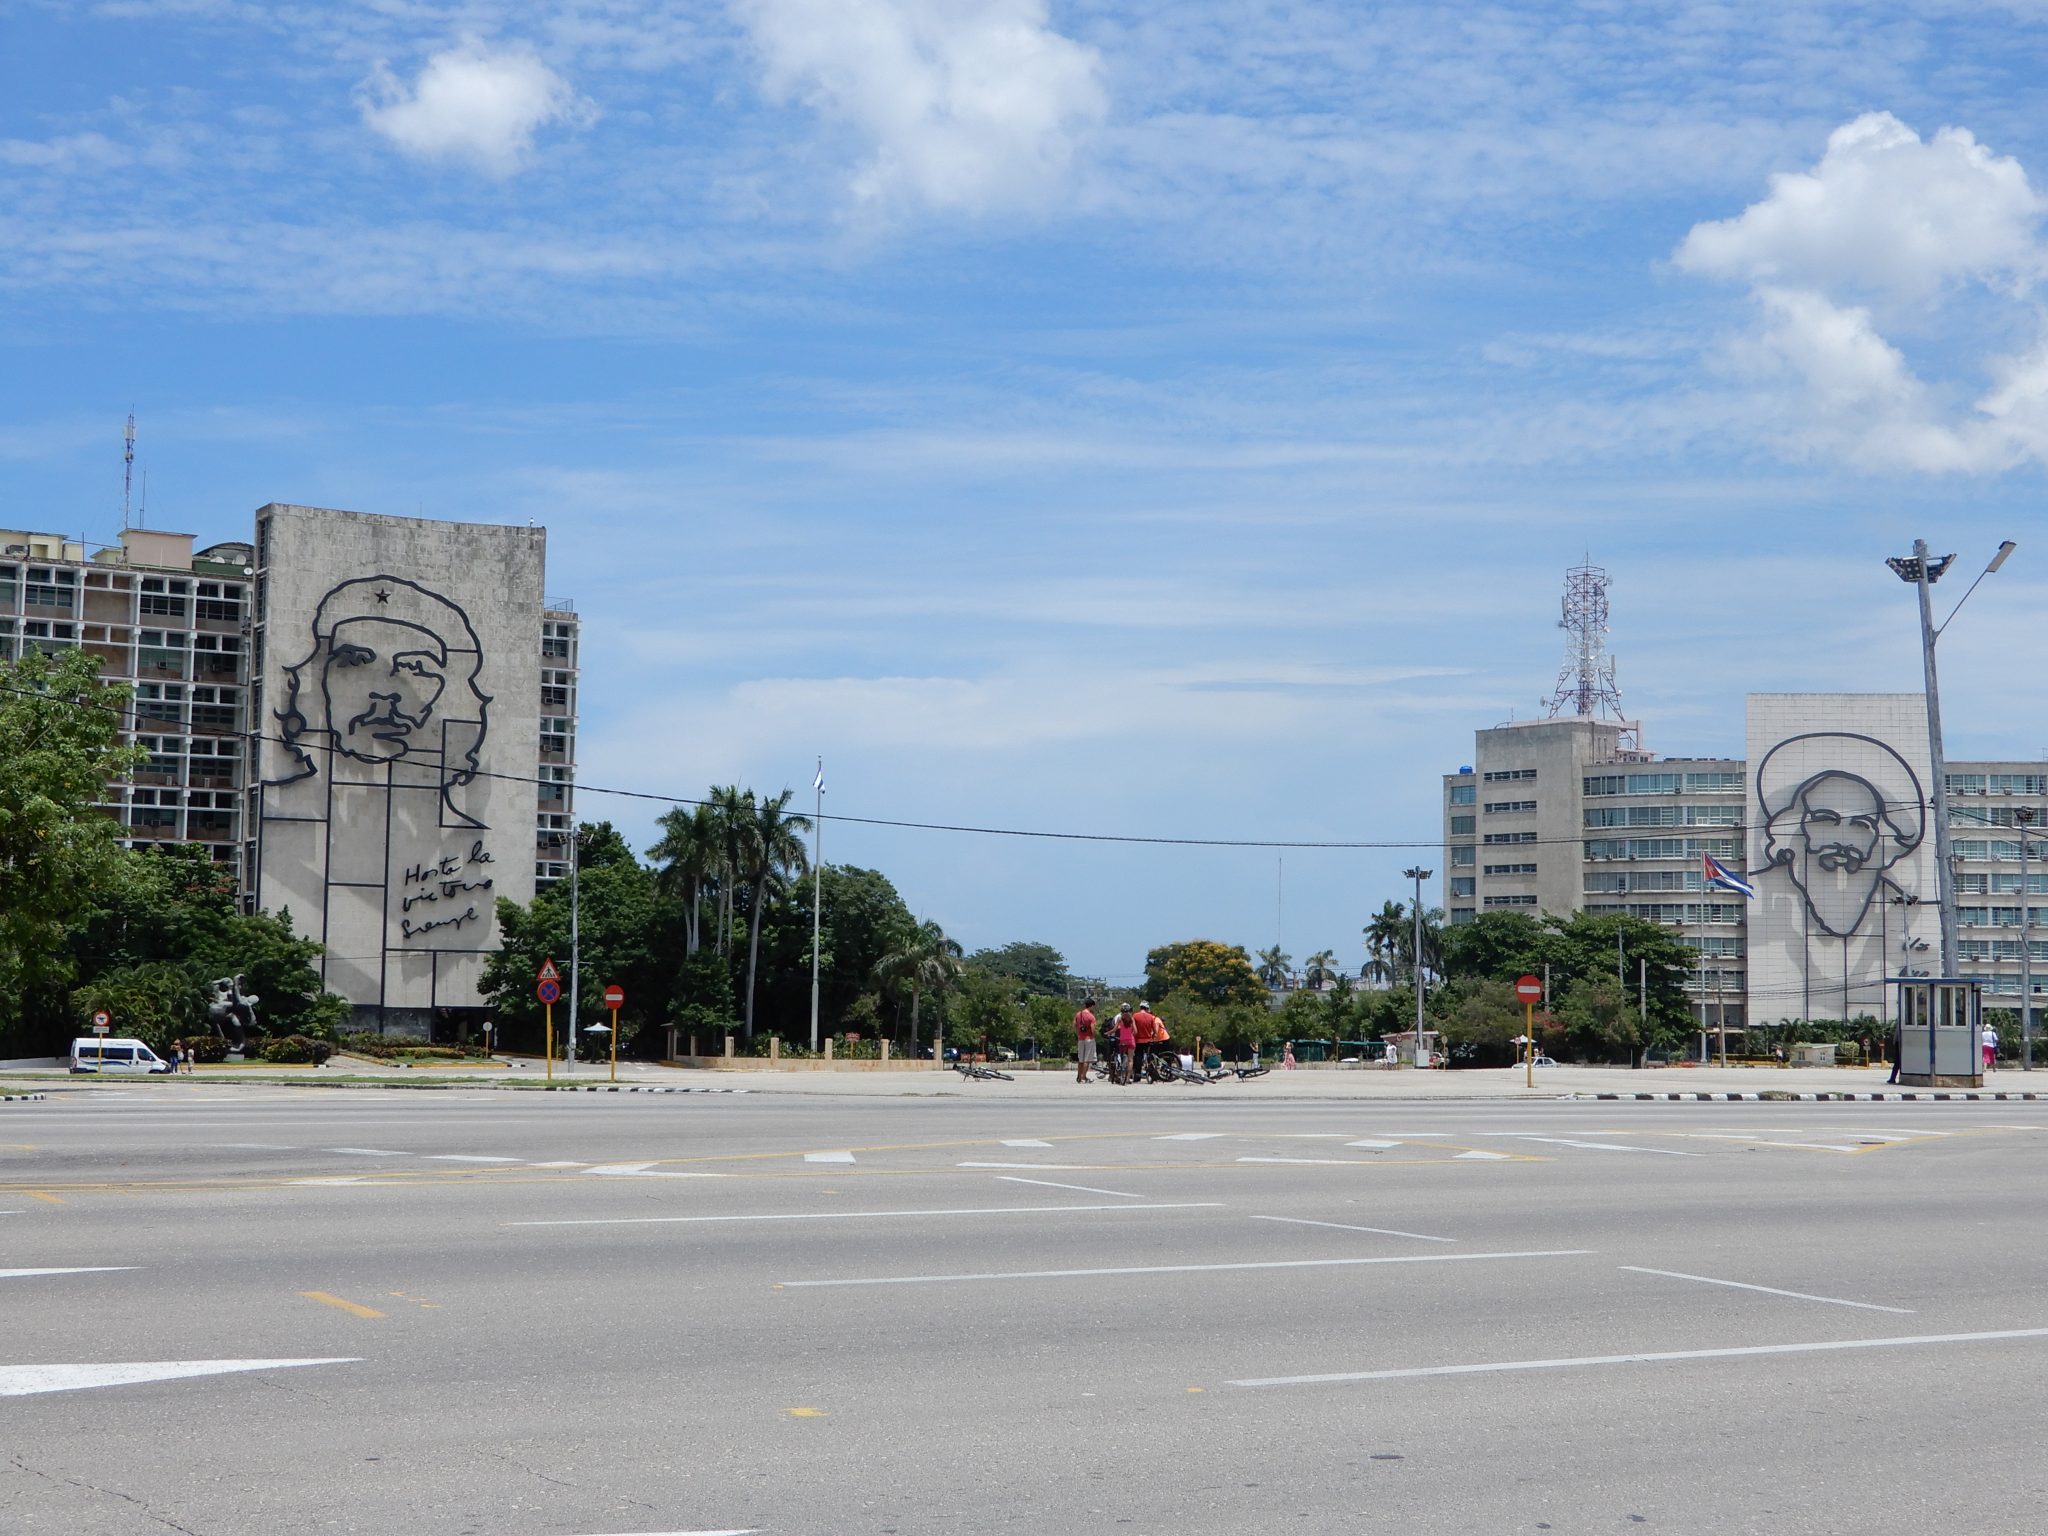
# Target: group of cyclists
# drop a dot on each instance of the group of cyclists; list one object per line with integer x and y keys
{"x": 1126, "y": 1041}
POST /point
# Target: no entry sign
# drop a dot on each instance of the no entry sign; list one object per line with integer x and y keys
{"x": 615, "y": 996}
{"x": 1529, "y": 989}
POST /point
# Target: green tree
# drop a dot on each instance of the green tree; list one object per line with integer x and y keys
{"x": 1272, "y": 967}
{"x": 771, "y": 855}
{"x": 1497, "y": 946}
{"x": 59, "y": 748}
{"x": 1387, "y": 938}
{"x": 922, "y": 962}
{"x": 1599, "y": 1019}
{"x": 1040, "y": 967}
{"x": 1480, "y": 1020}
{"x": 1583, "y": 946}
{"x": 1216, "y": 973}
{"x": 1321, "y": 968}
{"x": 692, "y": 859}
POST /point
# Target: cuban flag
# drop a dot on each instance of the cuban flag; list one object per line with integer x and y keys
{"x": 1715, "y": 873}
{"x": 819, "y": 782}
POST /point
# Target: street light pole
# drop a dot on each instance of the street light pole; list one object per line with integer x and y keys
{"x": 1418, "y": 874}
{"x": 576, "y": 840}
{"x": 1923, "y": 571}
{"x": 2022, "y": 817}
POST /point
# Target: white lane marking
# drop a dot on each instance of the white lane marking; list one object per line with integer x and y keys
{"x": 1646, "y": 1358}
{"x": 1312, "y": 1162}
{"x": 1602, "y": 1146}
{"x": 1378, "y": 1145}
{"x": 558, "y": 1165}
{"x": 1086, "y": 1189}
{"x": 1765, "y": 1141}
{"x": 985, "y": 1210}
{"x": 362, "y": 1152}
{"x": 27, "y": 1380}
{"x": 828, "y": 1157}
{"x": 648, "y": 1171}
{"x": 1342, "y": 1226}
{"x": 1768, "y": 1290}
{"x": 1191, "y": 1269}
{"x": 457, "y": 1157}
{"x": 1192, "y": 1136}
{"x": 1027, "y": 1143}
{"x": 1037, "y": 1167}
{"x": 89, "y": 1269}
{"x": 1484, "y": 1157}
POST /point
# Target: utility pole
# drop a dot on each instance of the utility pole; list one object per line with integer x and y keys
{"x": 575, "y": 942}
{"x": 1418, "y": 874}
{"x": 1944, "y": 858}
{"x": 817, "y": 895}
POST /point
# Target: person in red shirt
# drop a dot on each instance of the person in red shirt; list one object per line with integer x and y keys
{"x": 1126, "y": 1044}
{"x": 1151, "y": 1032}
{"x": 1084, "y": 1040}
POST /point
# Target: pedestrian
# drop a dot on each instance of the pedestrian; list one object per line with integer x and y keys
{"x": 1990, "y": 1040}
{"x": 1898, "y": 1050}
{"x": 1151, "y": 1032}
{"x": 1126, "y": 1044}
{"x": 177, "y": 1055}
{"x": 1287, "y": 1057}
{"x": 1084, "y": 1039}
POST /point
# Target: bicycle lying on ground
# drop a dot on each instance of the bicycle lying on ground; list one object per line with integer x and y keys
{"x": 976, "y": 1069}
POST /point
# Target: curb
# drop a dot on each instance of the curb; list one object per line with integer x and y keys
{"x": 630, "y": 1088}
{"x": 1769, "y": 1096}
{"x": 21, "y": 1098}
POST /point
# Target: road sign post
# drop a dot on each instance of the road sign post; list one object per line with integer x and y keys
{"x": 548, "y": 988}
{"x": 101, "y": 1023}
{"x": 614, "y": 999}
{"x": 1530, "y": 990}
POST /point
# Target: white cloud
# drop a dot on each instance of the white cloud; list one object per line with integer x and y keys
{"x": 473, "y": 103}
{"x": 1884, "y": 212}
{"x": 964, "y": 104}
{"x": 1936, "y": 238}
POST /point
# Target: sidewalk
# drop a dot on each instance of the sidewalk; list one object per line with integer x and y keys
{"x": 921, "y": 1081}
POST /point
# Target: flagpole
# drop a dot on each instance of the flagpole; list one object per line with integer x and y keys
{"x": 817, "y": 889}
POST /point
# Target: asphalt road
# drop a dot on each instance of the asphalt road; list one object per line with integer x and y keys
{"x": 552, "y": 1315}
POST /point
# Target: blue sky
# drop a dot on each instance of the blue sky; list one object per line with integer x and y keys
{"x": 1150, "y": 417}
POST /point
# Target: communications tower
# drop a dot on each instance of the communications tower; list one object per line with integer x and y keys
{"x": 1585, "y": 684}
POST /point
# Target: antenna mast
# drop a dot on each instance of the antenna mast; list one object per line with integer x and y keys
{"x": 127, "y": 467}
{"x": 1585, "y": 684}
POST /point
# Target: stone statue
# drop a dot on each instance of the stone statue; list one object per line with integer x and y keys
{"x": 233, "y": 1011}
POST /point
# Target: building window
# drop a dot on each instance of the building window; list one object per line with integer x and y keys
{"x": 1462, "y": 858}
{"x": 1461, "y": 916}
{"x": 1511, "y": 837}
{"x": 1511, "y": 776}
{"x": 1511, "y": 869}
{"x": 1510, "y": 901}
{"x": 1463, "y": 794}
{"x": 1463, "y": 825}
{"x": 1463, "y": 885}
{"x": 1509, "y": 807}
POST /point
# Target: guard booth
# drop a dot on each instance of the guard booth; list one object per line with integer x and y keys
{"x": 1940, "y": 1022}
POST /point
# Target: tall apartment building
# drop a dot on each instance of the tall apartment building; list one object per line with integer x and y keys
{"x": 338, "y": 707}
{"x": 1829, "y": 815}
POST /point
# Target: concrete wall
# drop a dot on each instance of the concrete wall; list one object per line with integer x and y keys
{"x": 1827, "y": 770}
{"x": 399, "y": 668}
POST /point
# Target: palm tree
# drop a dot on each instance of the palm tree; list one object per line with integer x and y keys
{"x": 731, "y": 811}
{"x": 1386, "y": 935}
{"x": 690, "y": 854}
{"x": 923, "y": 960}
{"x": 1321, "y": 968}
{"x": 1273, "y": 966}
{"x": 771, "y": 853}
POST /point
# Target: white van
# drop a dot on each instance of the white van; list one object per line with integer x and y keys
{"x": 90, "y": 1053}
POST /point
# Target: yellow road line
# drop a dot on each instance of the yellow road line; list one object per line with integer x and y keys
{"x": 37, "y": 1194}
{"x": 354, "y": 1309}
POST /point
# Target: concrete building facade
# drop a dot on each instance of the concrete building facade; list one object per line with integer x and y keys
{"x": 1829, "y": 816}
{"x": 372, "y": 718}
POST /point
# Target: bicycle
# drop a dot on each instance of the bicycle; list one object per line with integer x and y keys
{"x": 981, "y": 1071}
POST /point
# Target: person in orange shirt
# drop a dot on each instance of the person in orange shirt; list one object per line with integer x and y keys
{"x": 1151, "y": 1033}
